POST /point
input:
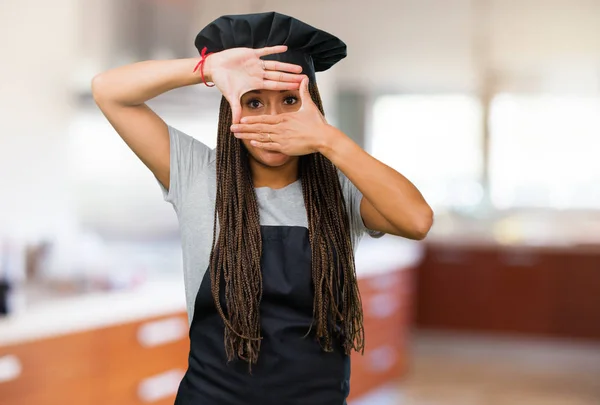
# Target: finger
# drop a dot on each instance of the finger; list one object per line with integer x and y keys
{"x": 236, "y": 112}
{"x": 272, "y": 146}
{"x": 253, "y": 128}
{"x": 270, "y": 50}
{"x": 263, "y": 119}
{"x": 282, "y": 67}
{"x": 304, "y": 91}
{"x": 282, "y": 77}
{"x": 275, "y": 85}
{"x": 254, "y": 136}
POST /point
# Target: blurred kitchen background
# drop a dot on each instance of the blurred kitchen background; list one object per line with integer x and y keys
{"x": 491, "y": 107}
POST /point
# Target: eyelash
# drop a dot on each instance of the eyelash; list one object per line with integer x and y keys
{"x": 250, "y": 102}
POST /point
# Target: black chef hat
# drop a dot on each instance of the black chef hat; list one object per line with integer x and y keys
{"x": 313, "y": 49}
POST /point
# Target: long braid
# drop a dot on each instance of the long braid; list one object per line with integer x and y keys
{"x": 337, "y": 299}
{"x": 236, "y": 216}
{"x": 237, "y": 248}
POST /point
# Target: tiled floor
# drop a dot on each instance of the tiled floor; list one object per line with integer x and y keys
{"x": 451, "y": 369}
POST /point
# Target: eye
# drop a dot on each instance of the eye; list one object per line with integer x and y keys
{"x": 290, "y": 100}
{"x": 254, "y": 104}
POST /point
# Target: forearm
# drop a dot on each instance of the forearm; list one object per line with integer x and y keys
{"x": 389, "y": 192}
{"x": 139, "y": 82}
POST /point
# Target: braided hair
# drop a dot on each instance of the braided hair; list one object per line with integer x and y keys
{"x": 236, "y": 251}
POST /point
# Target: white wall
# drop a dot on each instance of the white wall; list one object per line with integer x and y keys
{"x": 402, "y": 45}
{"x": 432, "y": 45}
{"x": 424, "y": 45}
{"x": 38, "y": 42}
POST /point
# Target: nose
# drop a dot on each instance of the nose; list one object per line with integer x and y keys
{"x": 274, "y": 108}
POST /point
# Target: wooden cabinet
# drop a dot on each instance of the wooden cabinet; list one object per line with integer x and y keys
{"x": 143, "y": 362}
{"x": 531, "y": 290}
{"x": 42, "y": 372}
{"x": 523, "y": 291}
{"x": 454, "y": 287}
{"x": 576, "y": 312}
{"x": 387, "y": 306}
{"x": 137, "y": 363}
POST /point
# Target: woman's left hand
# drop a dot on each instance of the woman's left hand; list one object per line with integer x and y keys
{"x": 293, "y": 134}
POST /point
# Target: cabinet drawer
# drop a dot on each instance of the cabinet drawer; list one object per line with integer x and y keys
{"x": 386, "y": 305}
{"x": 385, "y": 352}
{"x": 42, "y": 365}
{"x": 80, "y": 392}
{"x": 381, "y": 364}
{"x": 387, "y": 302}
{"x": 151, "y": 345}
{"x": 151, "y": 389}
{"x": 145, "y": 361}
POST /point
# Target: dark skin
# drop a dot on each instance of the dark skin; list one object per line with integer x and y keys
{"x": 277, "y": 126}
{"x": 121, "y": 93}
{"x": 269, "y": 168}
{"x": 391, "y": 203}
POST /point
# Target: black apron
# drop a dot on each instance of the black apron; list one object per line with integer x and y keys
{"x": 291, "y": 368}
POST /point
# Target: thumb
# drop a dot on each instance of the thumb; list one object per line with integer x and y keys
{"x": 236, "y": 112}
{"x": 304, "y": 91}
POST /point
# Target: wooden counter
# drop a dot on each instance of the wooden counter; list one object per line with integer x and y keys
{"x": 131, "y": 348}
{"x": 539, "y": 290}
{"x": 128, "y": 364}
{"x": 387, "y": 303}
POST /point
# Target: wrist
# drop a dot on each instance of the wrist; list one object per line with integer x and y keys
{"x": 337, "y": 146}
{"x": 208, "y": 68}
{"x": 194, "y": 70}
{"x": 202, "y": 69}
{"x": 327, "y": 140}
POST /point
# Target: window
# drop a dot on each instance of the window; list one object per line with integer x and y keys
{"x": 436, "y": 142}
{"x": 544, "y": 151}
{"x": 114, "y": 193}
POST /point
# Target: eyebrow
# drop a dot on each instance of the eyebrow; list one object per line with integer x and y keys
{"x": 260, "y": 91}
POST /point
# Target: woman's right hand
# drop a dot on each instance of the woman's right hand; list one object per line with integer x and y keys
{"x": 237, "y": 71}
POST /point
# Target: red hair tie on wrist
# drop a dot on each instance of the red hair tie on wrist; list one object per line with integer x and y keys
{"x": 200, "y": 66}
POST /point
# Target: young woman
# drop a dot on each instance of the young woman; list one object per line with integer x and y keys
{"x": 270, "y": 219}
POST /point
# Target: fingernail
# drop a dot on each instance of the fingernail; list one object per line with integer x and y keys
{"x": 234, "y": 128}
